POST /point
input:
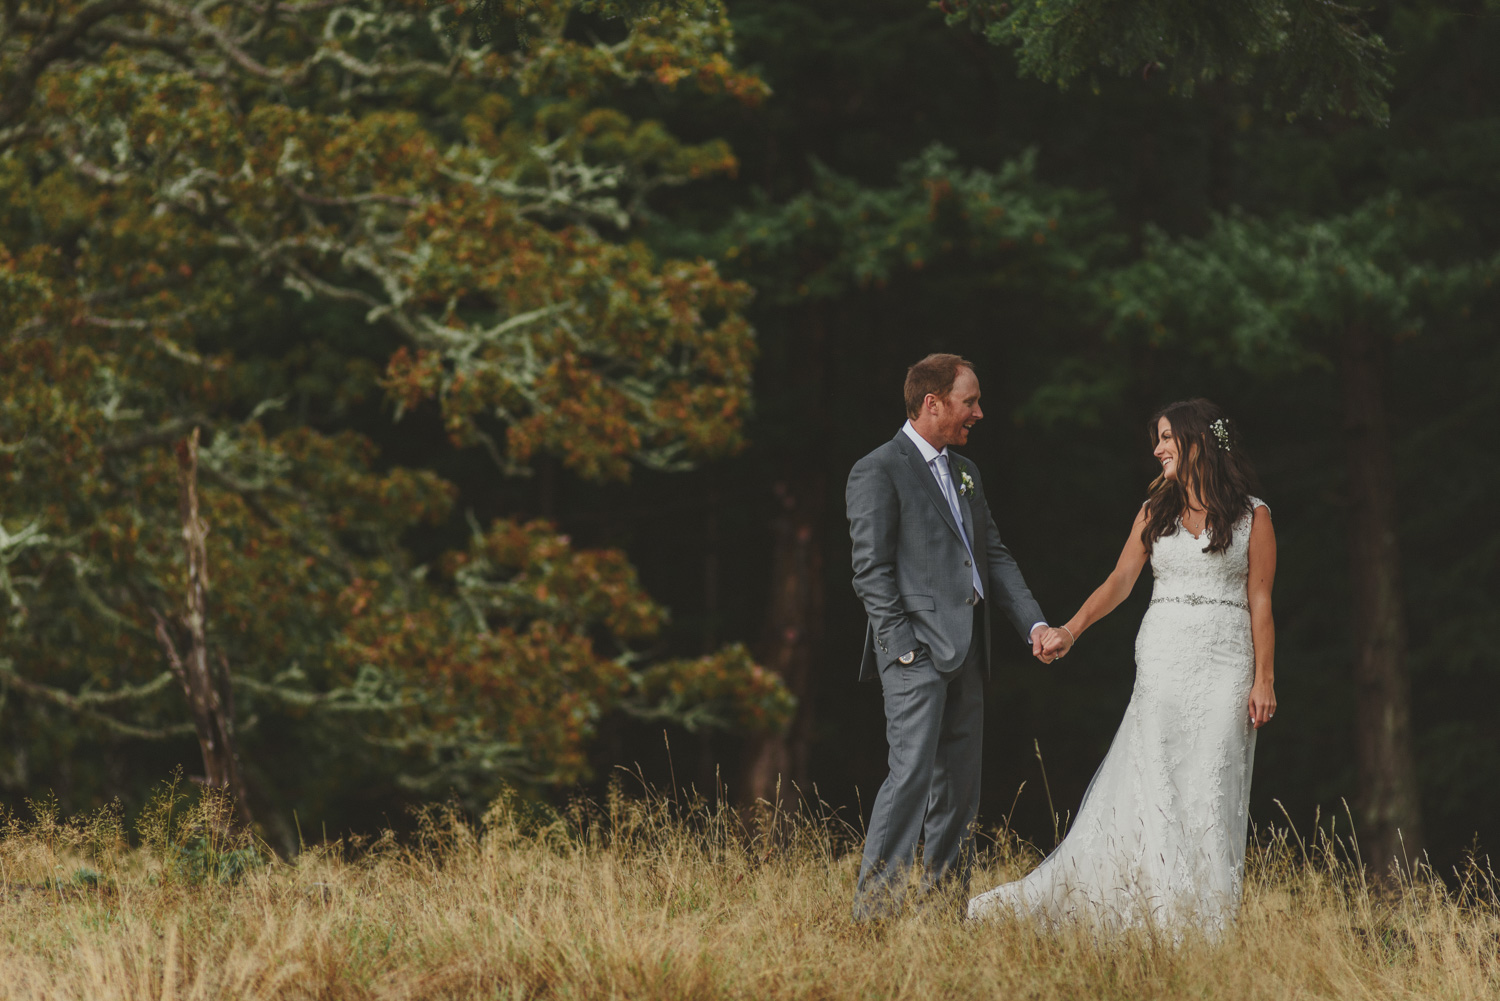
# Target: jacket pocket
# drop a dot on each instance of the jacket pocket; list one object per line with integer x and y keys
{"x": 918, "y": 603}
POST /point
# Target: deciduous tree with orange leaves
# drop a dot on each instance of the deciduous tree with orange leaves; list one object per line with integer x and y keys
{"x": 464, "y": 186}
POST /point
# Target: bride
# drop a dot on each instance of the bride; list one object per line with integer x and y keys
{"x": 1160, "y": 835}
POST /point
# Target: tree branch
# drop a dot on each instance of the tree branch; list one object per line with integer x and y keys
{"x": 352, "y": 200}
{"x": 158, "y": 436}
{"x": 84, "y": 705}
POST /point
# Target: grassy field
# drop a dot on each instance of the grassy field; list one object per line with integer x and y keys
{"x": 641, "y": 897}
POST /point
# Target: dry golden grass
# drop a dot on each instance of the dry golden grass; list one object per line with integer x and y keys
{"x": 645, "y": 898}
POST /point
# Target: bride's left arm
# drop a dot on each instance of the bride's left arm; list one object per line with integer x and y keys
{"x": 1058, "y": 640}
{"x": 1262, "y": 627}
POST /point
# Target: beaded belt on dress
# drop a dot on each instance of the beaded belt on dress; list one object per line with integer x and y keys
{"x": 1199, "y": 599}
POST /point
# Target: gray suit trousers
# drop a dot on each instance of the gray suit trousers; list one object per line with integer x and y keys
{"x": 935, "y": 730}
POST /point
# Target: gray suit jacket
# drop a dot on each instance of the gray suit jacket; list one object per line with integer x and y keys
{"x": 911, "y": 569}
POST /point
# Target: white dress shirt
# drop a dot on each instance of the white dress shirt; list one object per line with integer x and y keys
{"x": 930, "y": 456}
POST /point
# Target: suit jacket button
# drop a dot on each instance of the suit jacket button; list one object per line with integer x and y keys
{"x": 967, "y": 563}
{"x": 969, "y": 600}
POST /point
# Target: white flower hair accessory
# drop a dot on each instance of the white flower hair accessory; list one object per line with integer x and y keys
{"x": 1220, "y": 428}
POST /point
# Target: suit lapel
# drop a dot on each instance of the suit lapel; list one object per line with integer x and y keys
{"x": 926, "y": 479}
{"x": 958, "y": 464}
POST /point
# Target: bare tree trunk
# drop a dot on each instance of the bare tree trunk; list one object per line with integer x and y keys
{"x": 209, "y": 694}
{"x": 1389, "y": 805}
{"x": 708, "y": 757}
{"x": 711, "y": 572}
{"x": 775, "y": 765}
{"x": 778, "y": 762}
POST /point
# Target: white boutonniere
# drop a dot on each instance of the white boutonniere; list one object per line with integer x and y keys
{"x": 965, "y": 482}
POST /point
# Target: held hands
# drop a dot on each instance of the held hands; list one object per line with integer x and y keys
{"x": 1051, "y": 643}
{"x": 1262, "y": 703}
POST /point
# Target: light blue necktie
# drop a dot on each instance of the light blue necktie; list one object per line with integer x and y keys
{"x": 945, "y": 480}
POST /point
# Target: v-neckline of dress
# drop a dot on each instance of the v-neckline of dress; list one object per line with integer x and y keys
{"x": 1199, "y": 536}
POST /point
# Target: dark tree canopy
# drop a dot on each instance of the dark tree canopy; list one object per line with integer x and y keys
{"x": 1308, "y": 57}
{"x": 529, "y": 344}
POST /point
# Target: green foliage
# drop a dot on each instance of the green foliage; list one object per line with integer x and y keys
{"x": 841, "y": 236}
{"x": 1274, "y": 295}
{"x": 192, "y": 840}
{"x": 727, "y": 690}
{"x": 1268, "y": 297}
{"x": 1314, "y": 58}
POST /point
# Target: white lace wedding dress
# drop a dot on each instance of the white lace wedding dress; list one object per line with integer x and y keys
{"x": 1160, "y": 835}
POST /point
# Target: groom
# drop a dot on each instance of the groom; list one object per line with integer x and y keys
{"x": 928, "y": 565}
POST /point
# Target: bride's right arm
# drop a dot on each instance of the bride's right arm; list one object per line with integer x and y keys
{"x": 1107, "y": 596}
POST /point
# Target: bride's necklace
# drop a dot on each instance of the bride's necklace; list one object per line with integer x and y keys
{"x": 1187, "y": 524}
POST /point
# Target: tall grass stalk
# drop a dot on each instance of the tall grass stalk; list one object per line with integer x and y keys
{"x": 650, "y": 897}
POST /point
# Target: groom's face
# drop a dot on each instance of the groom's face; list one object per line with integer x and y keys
{"x": 959, "y": 411}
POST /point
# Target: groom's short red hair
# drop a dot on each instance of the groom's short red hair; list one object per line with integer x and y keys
{"x": 934, "y": 374}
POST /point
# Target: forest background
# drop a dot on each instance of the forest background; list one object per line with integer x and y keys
{"x": 528, "y": 345}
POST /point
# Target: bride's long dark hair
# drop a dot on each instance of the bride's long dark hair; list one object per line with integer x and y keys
{"x": 1212, "y": 460}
